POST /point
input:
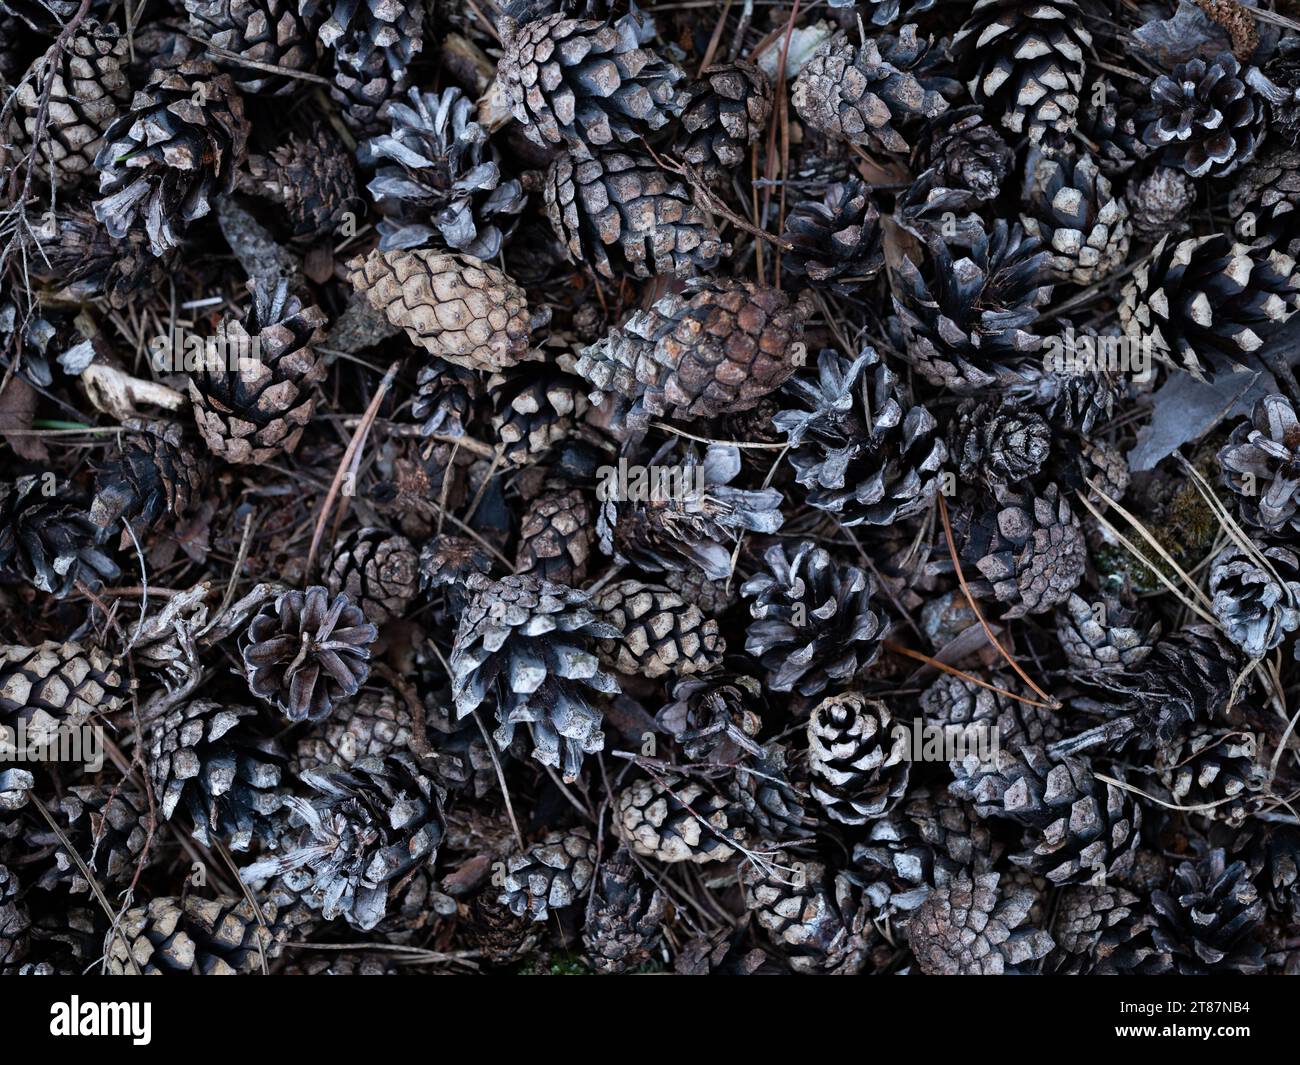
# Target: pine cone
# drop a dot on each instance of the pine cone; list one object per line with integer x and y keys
{"x": 674, "y": 819}
{"x": 1074, "y": 824}
{"x": 366, "y": 828}
{"x": 57, "y": 685}
{"x": 107, "y": 829}
{"x": 205, "y": 937}
{"x": 1073, "y": 210}
{"x": 373, "y": 47}
{"x": 838, "y": 241}
{"x": 661, "y": 633}
{"x": 621, "y": 213}
{"x": 1027, "y": 61}
{"x": 377, "y": 570}
{"x": 549, "y": 875}
{"x": 966, "y": 929}
{"x": 955, "y": 318}
{"x": 953, "y": 702}
{"x": 966, "y": 153}
{"x": 1104, "y": 931}
{"x": 15, "y": 923}
{"x": 454, "y": 306}
{"x": 442, "y": 182}
{"x": 1207, "y": 301}
{"x": 501, "y": 937}
{"x": 158, "y": 474}
{"x": 372, "y": 725}
{"x": 313, "y": 177}
{"x": 715, "y": 717}
{"x": 583, "y": 84}
{"x": 1112, "y": 128}
{"x": 535, "y": 406}
{"x": 1031, "y": 551}
{"x": 252, "y": 404}
{"x": 762, "y": 790}
{"x": 858, "y": 94}
{"x": 528, "y": 643}
{"x": 1214, "y": 773}
{"x": 1205, "y": 118}
{"x": 556, "y": 537}
{"x": 1206, "y": 920}
{"x": 1102, "y": 636}
{"x": 204, "y": 759}
{"x": 859, "y": 763}
{"x": 1000, "y": 444}
{"x": 1256, "y": 596}
{"x": 51, "y": 544}
{"x": 713, "y": 596}
{"x": 1160, "y": 202}
{"x": 717, "y": 348}
{"x": 445, "y": 398}
{"x": 87, "y": 90}
{"x": 725, "y": 112}
{"x": 865, "y": 455}
{"x": 813, "y": 619}
{"x": 80, "y": 257}
{"x": 163, "y": 160}
{"x": 270, "y": 32}
{"x": 817, "y": 917}
{"x": 307, "y": 650}
{"x": 1263, "y": 202}
{"x": 447, "y": 561}
{"x": 1261, "y": 466}
{"x": 625, "y": 918}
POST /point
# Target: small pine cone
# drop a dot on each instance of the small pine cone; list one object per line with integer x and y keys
{"x": 80, "y": 257}
{"x": 1075, "y": 825}
{"x": 556, "y": 537}
{"x": 437, "y": 178}
{"x": 813, "y": 622}
{"x": 1103, "y": 931}
{"x": 454, "y": 306}
{"x": 549, "y": 875}
{"x": 372, "y": 725}
{"x": 713, "y": 596}
{"x": 966, "y": 153}
{"x": 955, "y": 333}
{"x": 1206, "y": 118}
{"x": 859, "y": 763}
{"x": 158, "y": 474}
{"x": 762, "y": 790}
{"x": 497, "y": 934}
{"x": 163, "y": 161}
{"x": 726, "y": 111}
{"x": 582, "y": 84}
{"x": 377, "y": 570}
{"x": 1256, "y": 596}
{"x": 1160, "y": 202}
{"x": 366, "y": 828}
{"x": 535, "y": 406}
{"x": 622, "y": 214}
{"x": 107, "y": 829}
{"x": 821, "y": 921}
{"x": 838, "y": 241}
{"x": 1031, "y": 551}
{"x": 955, "y": 702}
{"x": 1207, "y": 299}
{"x": 1073, "y": 211}
{"x": 716, "y": 717}
{"x": 1102, "y": 635}
{"x": 677, "y": 820}
{"x": 15, "y": 923}
{"x": 1027, "y": 61}
{"x": 367, "y": 78}
{"x": 1067, "y": 400}
{"x": 204, "y": 759}
{"x": 444, "y": 398}
{"x": 864, "y": 453}
{"x": 1208, "y": 918}
{"x": 264, "y": 31}
{"x": 1260, "y": 464}
{"x": 446, "y": 561}
{"x": 57, "y": 684}
{"x": 858, "y": 94}
{"x": 625, "y": 918}
{"x": 312, "y": 176}
{"x": 306, "y": 651}
{"x": 717, "y": 348}
{"x": 530, "y": 643}
{"x": 256, "y": 409}
{"x": 1213, "y": 773}
{"x": 224, "y": 936}
{"x": 966, "y": 928}
{"x": 87, "y": 88}
{"x": 50, "y": 543}
{"x": 999, "y": 444}
{"x": 661, "y": 634}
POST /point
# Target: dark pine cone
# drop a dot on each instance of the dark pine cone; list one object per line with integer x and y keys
{"x": 1207, "y": 918}
{"x": 859, "y": 765}
{"x": 838, "y": 242}
{"x": 1205, "y": 118}
{"x": 726, "y": 111}
{"x": 265, "y": 31}
{"x": 377, "y": 570}
{"x": 204, "y": 937}
{"x": 304, "y": 652}
{"x": 625, "y": 917}
{"x": 158, "y": 473}
{"x": 967, "y": 928}
{"x": 48, "y": 540}
{"x": 312, "y": 176}
{"x": 1261, "y": 466}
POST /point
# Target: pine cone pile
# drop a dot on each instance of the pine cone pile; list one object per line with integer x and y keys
{"x": 570, "y": 486}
